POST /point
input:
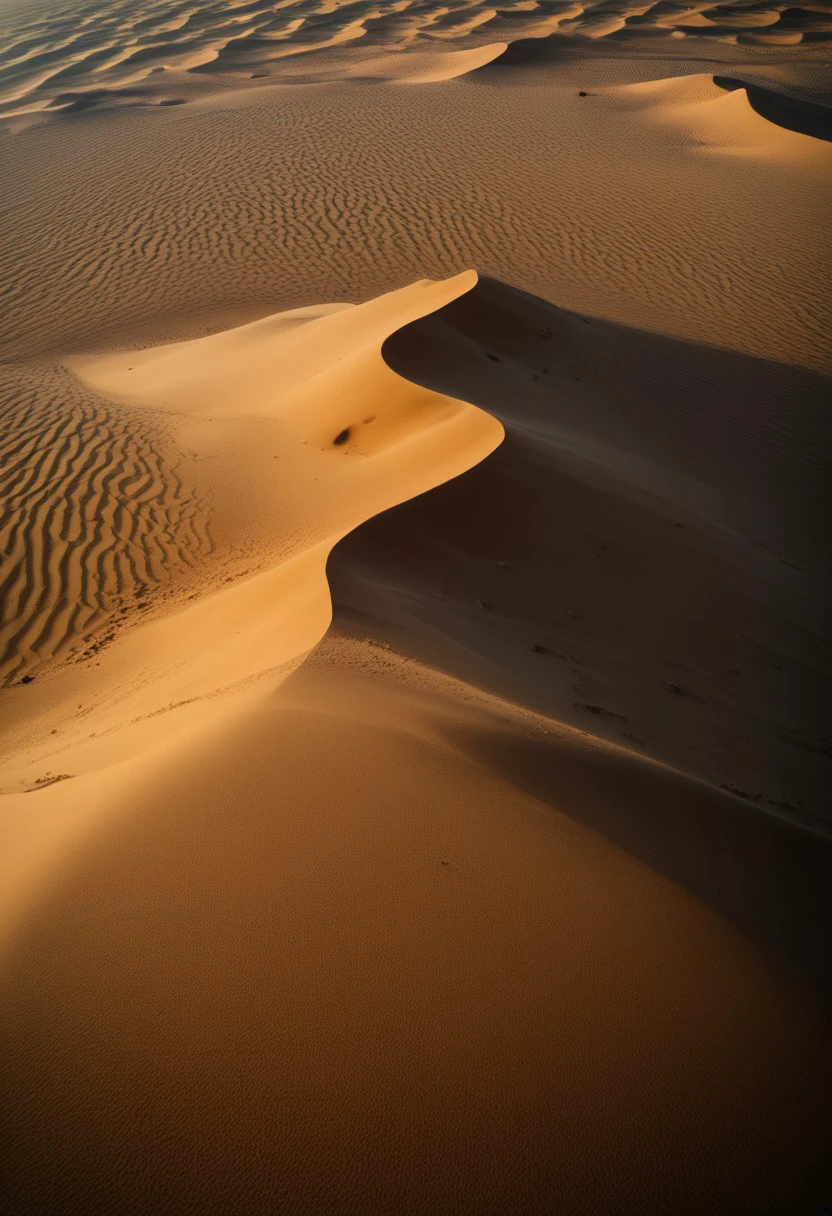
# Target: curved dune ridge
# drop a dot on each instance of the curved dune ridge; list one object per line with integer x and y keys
{"x": 268, "y": 410}
{"x": 719, "y": 113}
{"x": 104, "y": 53}
{"x": 354, "y": 900}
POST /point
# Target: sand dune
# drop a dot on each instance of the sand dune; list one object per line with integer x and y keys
{"x": 591, "y": 624}
{"x": 119, "y": 46}
{"x": 207, "y": 710}
{"x": 416, "y": 67}
{"x": 274, "y": 410}
{"x": 718, "y": 114}
{"x": 414, "y": 747}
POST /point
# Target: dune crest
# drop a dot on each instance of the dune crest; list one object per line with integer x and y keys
{"x": 304, "y": 432}
{"x": 719, "y": 117}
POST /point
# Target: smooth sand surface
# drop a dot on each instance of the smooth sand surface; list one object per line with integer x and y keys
{"x": 415, "y": 624}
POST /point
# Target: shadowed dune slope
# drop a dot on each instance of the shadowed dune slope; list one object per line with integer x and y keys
{"x": 804, "y": 117}
{"x": 608, "y": 581}
{"x": 334, "y": 1010}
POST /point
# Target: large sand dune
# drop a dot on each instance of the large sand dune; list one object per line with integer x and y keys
{"x": 415, "y": 763}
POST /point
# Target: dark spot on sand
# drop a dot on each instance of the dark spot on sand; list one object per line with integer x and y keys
{"x": 671, "y": 687}
{"x": 342, "y": 437}
{"x": 600, "y": 711}
{"x": 493, "y": 358}
{"x": 370, "y": 418}
{"x": 582, "y": 93}
{"x": 50, "y": 779}
{"x": 27, "y": 680}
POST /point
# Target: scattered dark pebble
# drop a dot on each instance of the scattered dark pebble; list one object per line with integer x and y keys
{"x": 493, "y": 358}
{"x": 671, "y": 687}
{"x": 27, "y": 680}
{"x": 538, "y": 649}
{"x": 341, "y": 437}
{"x": 582, "y": 93}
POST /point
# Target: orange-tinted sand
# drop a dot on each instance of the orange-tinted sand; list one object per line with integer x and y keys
{"x": 414, "y": 635}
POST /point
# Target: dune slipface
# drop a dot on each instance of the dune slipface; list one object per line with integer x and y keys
{"x": 415, "y": 764}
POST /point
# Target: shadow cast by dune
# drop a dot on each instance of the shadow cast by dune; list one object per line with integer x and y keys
{"x": 568, "y": 575}
{"x": 770, "y": 878}
{"x": 792, "y": 113}
{"x": 657, "y": 398}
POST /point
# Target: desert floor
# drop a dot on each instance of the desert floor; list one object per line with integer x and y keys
{"x": 414, "y": 636}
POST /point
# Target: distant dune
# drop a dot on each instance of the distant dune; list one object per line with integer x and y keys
{"x": 53, "y": 59}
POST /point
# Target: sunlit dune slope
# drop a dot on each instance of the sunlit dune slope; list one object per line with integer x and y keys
{"x": 302, "y": 431}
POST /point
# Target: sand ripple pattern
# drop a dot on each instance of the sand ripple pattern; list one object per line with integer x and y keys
{"x": 94, "y": 518}
{"x": 73, "y": 57}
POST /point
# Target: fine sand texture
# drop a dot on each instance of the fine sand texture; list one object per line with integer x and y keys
{"x": 415, "y": 615}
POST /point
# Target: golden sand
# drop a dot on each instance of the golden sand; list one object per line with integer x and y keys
{"x": 414, "y": 635}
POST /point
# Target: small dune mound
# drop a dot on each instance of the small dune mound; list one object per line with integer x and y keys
{"x": 728, "y": 115}
{"x": 427, "y": 67}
